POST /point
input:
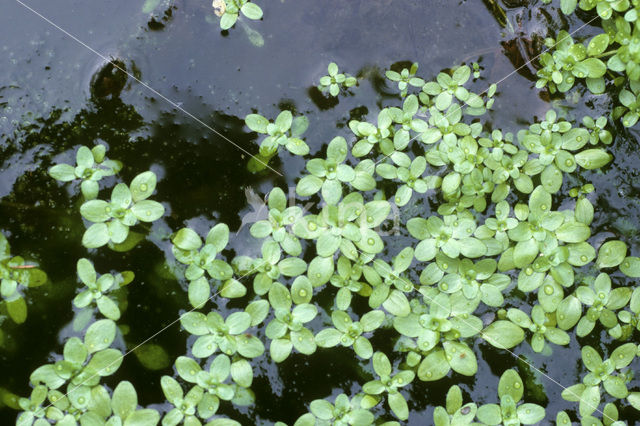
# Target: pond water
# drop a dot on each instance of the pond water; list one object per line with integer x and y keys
{"x": 56, "y": 95}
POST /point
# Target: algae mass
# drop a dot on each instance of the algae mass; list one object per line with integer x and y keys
{"x": 416, "y": 260}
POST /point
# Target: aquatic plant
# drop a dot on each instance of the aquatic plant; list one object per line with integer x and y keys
{"x": 16, "y": 275}
{"x": 230, "y": 10}
{"x": 498, "y": 261}
{"x": 91, "y": 166}
{"x": 336, "y": 80}
{"x": 611, "y": 56}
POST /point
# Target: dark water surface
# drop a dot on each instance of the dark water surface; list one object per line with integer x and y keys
{"x": 53, "y": 99}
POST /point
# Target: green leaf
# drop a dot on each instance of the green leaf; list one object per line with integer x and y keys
{"x": 321, "y": 409}
{"x": 503, "y": 334}
{"x": 472, "y": 247}
{"x": 328, "y": 338}
{"x": 589, "y": 400}
{"x": 117, "y": 231}
{"x": 142, "y": 186}
{"x": 623, "y": 355}
{"x": 630, "y": 266}
{"x": 461, "y": 359}
{"x": 568, "y": 312}
{"x": 381, "y": 364}
{"x": 187, "y": 368}
{"x": 144, "y": 417}
{"x": 284, "y": 120}
{"x": 597, "y": 44}
{"x": 280, "y": 349}
{"x": 75, "y": 351}
{"x": 363, "y": 347}
{"x": 232, "y": 289}
{"x": 331, "y": 191}
{"x": 17, "y": 310}
{"x": 434, "y": 366}
{"x": 63, "y": 172}
{"x": 199, "y": 292}
{"x": 299, "y": 126}
{"x": 308, "y": 185}
{"x": 124, "y": 400}
{"x": 258, "y": 310}
{"x": 218, "y": 236}
{"x": 525, "y": 252}
{"x": 292, "y": 266}
{"x": 84, "y": 157}
{"x": 228, "y": 20}
{"x": 572, "y": 393}
{"x": 257, "y": 123}
{"x": 398, "y": 405}
{"x": 304, "y": 312}
{"x": 86, "y": 272}
{"x": 567, "y": 7}
{"x": 297, "y": 146}
{"x": 100, "y": 335}
{"x": 186, "y": 239}
{"x": 530, "y": 414}
{"x": 121, "y": 196}
{"x": 327, "y": 244}
{"x": 611, "y": 254}
{"x": 511, "y": 384}
{"x": 150, "y": 5}
{"x": 251, "y": 11}
{"x": 593, "y": 158}
{"x": 397, "y": 304}
{"x": 242, "y": 373}
{"x": 490, "y": 414}
{"x": 96, "y": 235}
{"x": 152, "y": 357}
{"x": 279, "y": 297}
{"x": 147, "y": 210}
{"x": 595, "y": 67}
{"x": 573, "y": 232}
{"x": 303, "y": 341}
{"x": 372, "y": 320}
{"x": 634, "y": 400}
{"x": 249, "y": 346}
{"x": 426, "y": 250}
{"x": 108, "y": 308}
{"x": 320, "y": 270}
{"x": 591, "y": 358}
{"x": 172, "y": 390}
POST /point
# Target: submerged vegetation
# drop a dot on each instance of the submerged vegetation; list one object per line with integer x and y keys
{"x": 505, "y": 259}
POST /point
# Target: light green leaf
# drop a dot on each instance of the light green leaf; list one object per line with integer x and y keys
{"x": 503, "y": 334}
{"x": 630, "y": 266}
{"x": 251, "y": 11}
{"x": 593, "y": 158}
{"x": 63, "y": 172}
{"x": 148, "y": 210}
{"x": 611, "y": 254}
{"x": 99, "y": 335}
{"x": 187, "y": 239}
{"x": 398, "y": 405}
{"x": 96, "y": 236}
{"x": 142, "y": 186}
{"x": 199, "y": 292}
{"x": 434, "y": 366}
{"x": 461, "y": 359}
